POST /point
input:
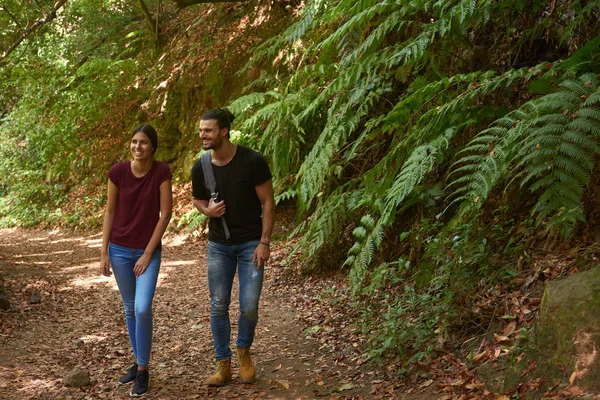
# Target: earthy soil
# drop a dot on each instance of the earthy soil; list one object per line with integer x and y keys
{"x": 79, "y": 323}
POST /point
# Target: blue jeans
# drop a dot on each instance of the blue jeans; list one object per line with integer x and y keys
{"x": 137, "y": 294}
{"x": 222, "y": 262}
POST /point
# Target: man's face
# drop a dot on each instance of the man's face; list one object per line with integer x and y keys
{"x": 211, "y": 135}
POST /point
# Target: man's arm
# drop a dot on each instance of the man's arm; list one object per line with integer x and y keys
{"x": 267, "y": 199}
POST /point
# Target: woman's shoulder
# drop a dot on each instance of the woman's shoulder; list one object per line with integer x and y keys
{"x": 162, "y": 171}
{"x": 120, "y": 166}
{"x": 162, "y": 166}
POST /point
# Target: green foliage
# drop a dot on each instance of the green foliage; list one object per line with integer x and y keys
{"x": 415, "y": 318}
{"x": 55, "y": 96}
{"x": 379, "y": 115}
{"x": 549, "y": 144}
{"x": 36, "y": 204}
{"x": 192, "y": 221}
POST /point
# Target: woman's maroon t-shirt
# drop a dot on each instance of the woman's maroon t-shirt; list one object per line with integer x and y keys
{"x": 138, "y": 204}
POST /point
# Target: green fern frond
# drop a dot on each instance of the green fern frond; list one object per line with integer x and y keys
{"x": 358, "y": 20}
{"x": 245, "y": 104}
{"x": 270, "y": 47}
{"x": 343, "y": 120}
{"x": 369, "y": 235}
{"x": 549, "y": 144}
{"x": 393, "y": 22}
{"x": 287, "y": 195}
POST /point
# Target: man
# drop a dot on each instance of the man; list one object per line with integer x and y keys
{"x": 241, "y": 215}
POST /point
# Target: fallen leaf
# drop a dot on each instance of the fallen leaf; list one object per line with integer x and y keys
{"x": 427, "y": 383}
{"x": 473, "y": 385}
{"x": 530, "y": 367}
{"x": 312, "y": 330}
{"x": 497, "y": 351}
{"x": 510, "y": 328}
{"x": 277, "y": 368}
{"x": 345, "y": 386}
{"x": 480, "y": 356}
{"x": 574, "y": 390}
{"x": 573, "y": 377}
{"x": 284, "y": 384}
{"x": 501, "y": 339}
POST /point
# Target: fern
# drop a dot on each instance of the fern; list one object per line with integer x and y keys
{"x": 549, "y": 144}
{"x": 369, "y": 235}
{"x": 316, "y": 165}
{"x": 557, "y": 154}
{"x": 353, "y": 78}
{"x": 270, "y": 47}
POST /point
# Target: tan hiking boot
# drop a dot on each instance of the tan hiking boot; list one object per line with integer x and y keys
{"x": 222, "y": 375}
{"x": 246, "y": 365}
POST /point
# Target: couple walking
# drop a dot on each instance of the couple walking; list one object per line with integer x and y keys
{"x": 241, "y": 210}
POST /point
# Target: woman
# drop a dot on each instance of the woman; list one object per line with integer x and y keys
{"x": 138, "y": 211}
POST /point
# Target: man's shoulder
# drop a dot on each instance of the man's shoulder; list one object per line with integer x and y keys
{"x": 198, "y": 164}
{"x": 247, "y": 152}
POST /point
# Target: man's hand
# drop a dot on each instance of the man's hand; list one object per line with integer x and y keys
{"x": 261, "y": 254}
{"x": 215, "y": 210}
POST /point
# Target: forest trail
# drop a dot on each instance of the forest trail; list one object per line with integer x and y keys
{"x": 79, "y": 322}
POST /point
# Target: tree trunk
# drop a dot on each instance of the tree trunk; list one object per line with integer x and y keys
{"x": 151, "y": 22}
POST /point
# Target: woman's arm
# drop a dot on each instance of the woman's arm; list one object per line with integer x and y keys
{"x": 166, "y": 202}
{"x": 111, "y": 205}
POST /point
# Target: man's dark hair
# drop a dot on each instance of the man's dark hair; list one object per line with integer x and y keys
{"x": 223, "y": 116}
{"x": 149, "y": 131}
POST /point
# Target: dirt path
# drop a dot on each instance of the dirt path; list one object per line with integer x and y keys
{"x": 79, "y": 322}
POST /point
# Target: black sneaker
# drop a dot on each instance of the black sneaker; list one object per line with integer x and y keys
{"x": 129, "y": 376}
{"x": 142, "y": 381}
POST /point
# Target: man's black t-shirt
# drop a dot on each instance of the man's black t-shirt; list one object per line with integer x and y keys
{"x": 236, "y": 184}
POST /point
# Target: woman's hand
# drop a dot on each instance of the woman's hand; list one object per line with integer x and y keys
{"x": 105, "y": 265}
{"x": 141, "y": 265}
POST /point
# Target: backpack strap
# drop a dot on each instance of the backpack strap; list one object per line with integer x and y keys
{"x": 211, "y": 185}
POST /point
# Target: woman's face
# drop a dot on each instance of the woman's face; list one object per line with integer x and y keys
{"x": 141, "y": 146}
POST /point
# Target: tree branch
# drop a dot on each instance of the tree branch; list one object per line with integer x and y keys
{"x": 32, "y": 29}
{"x": 187, "y": 3}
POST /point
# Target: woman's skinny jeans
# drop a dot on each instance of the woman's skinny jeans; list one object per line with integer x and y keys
{"x": 222, "y": 262}
{"x": 137, "y": 294}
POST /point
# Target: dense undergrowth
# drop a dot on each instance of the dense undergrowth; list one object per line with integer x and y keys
{"x": 431, "y": 147}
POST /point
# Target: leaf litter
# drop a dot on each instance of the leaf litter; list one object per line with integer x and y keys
{"x": 79, "y": 322}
